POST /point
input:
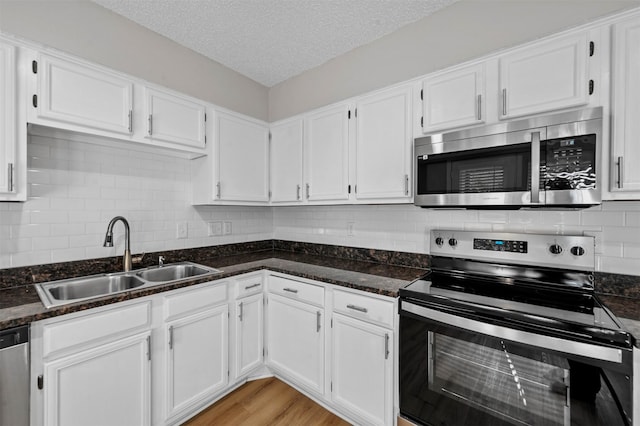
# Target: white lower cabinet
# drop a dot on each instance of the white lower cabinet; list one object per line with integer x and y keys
{"x": 295, "y": 345}
{"x": 93, "y": 367}
{"x": 248, "y": 334}
{"x": 362, "y": 367}
{"x": 107, "y": 385}
{"x": 196, "y": 358}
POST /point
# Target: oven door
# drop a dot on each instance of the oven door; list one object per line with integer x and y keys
{"x": 460, "y": 371}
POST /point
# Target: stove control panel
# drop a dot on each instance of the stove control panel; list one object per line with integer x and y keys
{"x": 560, "y": 251}
{"x": 500, "y": 245}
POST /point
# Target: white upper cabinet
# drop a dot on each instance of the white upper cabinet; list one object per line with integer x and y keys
{"x": 326, "y": 154}
{"x": 454, "y": 99}
{"x": 8, "y": 106}
{"x": 544, "y": 76}
{"x": 286, "y": 161}
{"x": 383, "y": 146}
{"x": 242, "y": 157}
{"x": 174, "y": 118}
{"x": 83, "y": 95}
{"x": 625, "y": 146}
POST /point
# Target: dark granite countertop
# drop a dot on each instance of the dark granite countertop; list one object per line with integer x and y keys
{"x": 21, "y": 305}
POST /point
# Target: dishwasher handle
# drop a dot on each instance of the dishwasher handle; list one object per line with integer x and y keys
{"x": 14, "y": 336}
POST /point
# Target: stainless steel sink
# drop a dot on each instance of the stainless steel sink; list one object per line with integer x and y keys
{"x": 173, "y": 272}
{"x": 92, "y": 287}
{"x": 56, "y": 293}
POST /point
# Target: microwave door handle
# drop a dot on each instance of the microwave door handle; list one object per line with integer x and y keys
{"x": 535, "y": 167}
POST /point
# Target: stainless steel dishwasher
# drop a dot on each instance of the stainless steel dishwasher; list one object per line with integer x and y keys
{"x": 14, "y": 376}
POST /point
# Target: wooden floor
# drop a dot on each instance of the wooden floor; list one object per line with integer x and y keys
{"x": 266, "y": 402}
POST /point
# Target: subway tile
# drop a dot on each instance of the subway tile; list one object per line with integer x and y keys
{"x": 50, "y": 243}
{"x": 608, "y": 218}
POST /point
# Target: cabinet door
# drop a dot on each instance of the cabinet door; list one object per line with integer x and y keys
{"x": 296, "y": 341}
{"x": 248, "y": 339}
{"x": 383, "y": 157}
{"x": 625, "y": 147}
{"x": 83, "y": 95}
{"x": 286, "y": 162}
{"x": 326, "y": 154}
{"x": 7, "y": 119}
{"x": 243, "y": 160}
{"x": 173, "y": 118}
{"x": 107, "y": 385}
{"x": 544, "y": 77}
{"x": 454, "y": 99}
{"x": 362, "y": 379}
{"x": 197, "y": 358}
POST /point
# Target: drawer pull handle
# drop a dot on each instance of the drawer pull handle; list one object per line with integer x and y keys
{"x": 357, "y": 308}
{"x": 291, "y": 290}
{"x": 249, "y": 287}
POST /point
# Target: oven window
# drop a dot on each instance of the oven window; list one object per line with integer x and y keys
{"x": 502, "y": 169}
{"x": 454, "y": 377}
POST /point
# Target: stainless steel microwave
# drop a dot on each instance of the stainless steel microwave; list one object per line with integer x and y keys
{"x": 552, "y": 160}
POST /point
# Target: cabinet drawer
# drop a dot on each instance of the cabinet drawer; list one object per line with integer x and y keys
{"x": 96, "y": 326}
{"x": 364, "y": 307}
{"x": 297, "y": 290}
{"x": 192, "y": 300}
{"x": 248, "y": 286}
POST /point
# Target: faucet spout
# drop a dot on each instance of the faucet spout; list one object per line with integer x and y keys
{"x": 108, "y": 240}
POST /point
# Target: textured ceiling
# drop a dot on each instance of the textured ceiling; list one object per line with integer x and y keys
{"x": 270, "y": 41}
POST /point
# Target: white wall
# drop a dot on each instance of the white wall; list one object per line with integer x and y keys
{"x": 466, "y": 30}
{"x": 616, "y": 226}
{"x": 87, "y": 30}
{"x": 75, "y": 189}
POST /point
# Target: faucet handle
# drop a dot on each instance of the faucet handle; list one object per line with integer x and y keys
{"x": 160, "y": 260}
{"x": 137, "y": 258}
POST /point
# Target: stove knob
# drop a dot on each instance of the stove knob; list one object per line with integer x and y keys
{"x": 577, "y": 251}
{"x": 439, "y": 241}
{"x": 555, "y": 249}
{"x": 453, "y": 242}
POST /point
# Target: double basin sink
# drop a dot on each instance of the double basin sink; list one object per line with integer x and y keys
{"x": 57, "y": 293}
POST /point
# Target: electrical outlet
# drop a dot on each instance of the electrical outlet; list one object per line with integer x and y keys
{"x": 350, "y": 229}
{"x": 182, "y": 230}
{"x": 215, "y": 229}
{"x": 226, "y": 228}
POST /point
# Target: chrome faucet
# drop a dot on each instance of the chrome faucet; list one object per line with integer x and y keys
{"x": 108, "y": 240}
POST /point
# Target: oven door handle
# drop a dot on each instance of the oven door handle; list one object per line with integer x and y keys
{"x": 587, "y": 350}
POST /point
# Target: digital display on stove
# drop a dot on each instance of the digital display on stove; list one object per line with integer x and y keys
{"x": 500, "y": 245}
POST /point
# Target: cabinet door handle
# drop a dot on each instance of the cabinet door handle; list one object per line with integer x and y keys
{"x": 619, "y": 163}
{"x": 307, "y": 191}
{"x": 130, "y": 121}
{"x": 171, "y": 337}
{"x": 357, "y": 308}
{"x": 406, "y": 184}
{"x": 249, "y": 287}
{"x": 386, "y": 345}
{"x": 10, "y": 177}
{"x": 291, "y": 290}
{"x": 241, "y": 311}
{"x": 218, "y": 190}
{"x": 479, "y": 107}
{"x": 148, "y": 348}
{"x": 150, "y": 124}
{"x": 504, "y": 102}
{"x": 297, "y": 192}
{"x": 318, "y": 318}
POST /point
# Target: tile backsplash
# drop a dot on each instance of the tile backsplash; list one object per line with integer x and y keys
{"x": 76, "y": 188}
{"x": 615, "y": 225}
